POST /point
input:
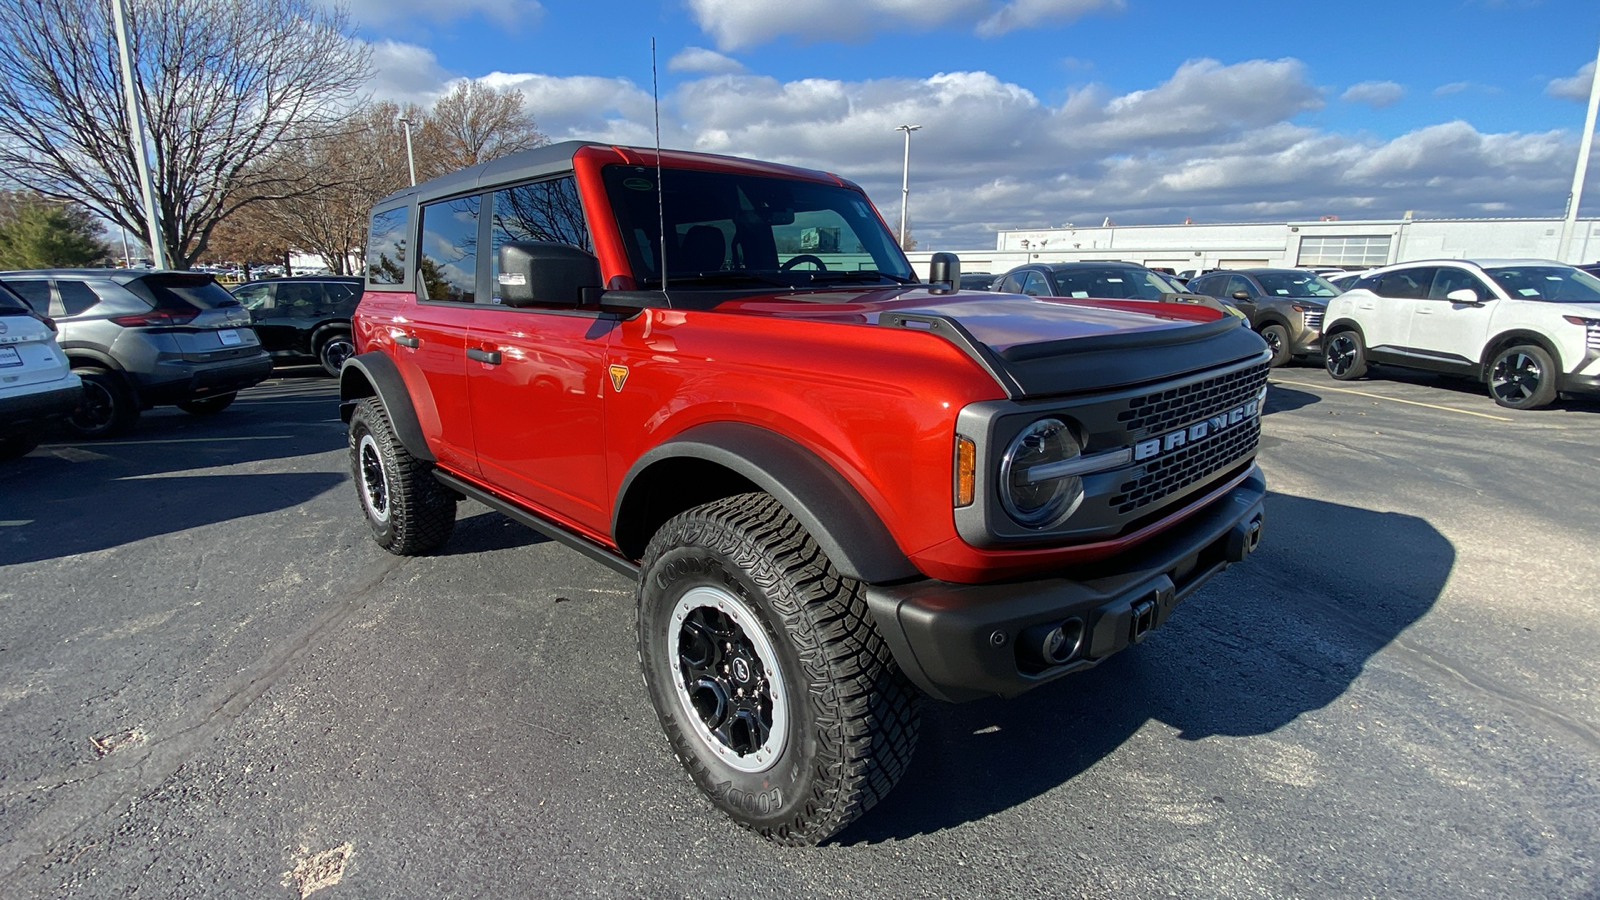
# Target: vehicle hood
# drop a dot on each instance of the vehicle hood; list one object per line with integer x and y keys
{"x": 1039, "y": 346}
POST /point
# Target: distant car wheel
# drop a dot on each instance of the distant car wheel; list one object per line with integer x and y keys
{"x": 334, "y": 350}
{"x": 208, "y": 406}
{"x": 408, "y": 511}
{"x": 1346, "y": 356}
{"x": 108, "y": 407}
{"x": 769, "y": 675}
{"x": 1277, "y": 338}
{"x": 16, "y": 446}
{"x": 1523, "y": 377}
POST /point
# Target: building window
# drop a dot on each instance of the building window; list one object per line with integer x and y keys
{"x": 1355, "y": 250}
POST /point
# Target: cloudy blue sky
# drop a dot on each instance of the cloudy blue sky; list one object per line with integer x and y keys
{"x": 1041, "y": 112}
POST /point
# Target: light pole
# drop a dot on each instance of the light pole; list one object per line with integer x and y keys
{"x": 158, "y": 250}
{"x": 411, "y": 162}
{"x": 905, "y": 180}
{"x": 1583, "y": 166}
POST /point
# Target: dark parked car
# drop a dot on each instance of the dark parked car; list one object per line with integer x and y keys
{"x": 145, "y": 337}
{"x": 1107, "y": 280}
{"x": 977, "y": 281}
{"x": 304, "y": 318}
{"x": 1285, "y": 306}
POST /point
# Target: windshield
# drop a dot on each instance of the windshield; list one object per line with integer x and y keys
{"x": 1295, "y": 284}
{"x": 729, "y": 229}
{"x": 1555, "y": 284}
{"x": 1111, "y": 283}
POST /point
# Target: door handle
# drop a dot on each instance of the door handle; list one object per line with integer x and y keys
{"x": 408, "y": 340}
{"x": 492, "y": 357}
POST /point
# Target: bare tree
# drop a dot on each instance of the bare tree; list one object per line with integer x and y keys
{"x": 475, "y": 123}
{"x": 220, "y": 85}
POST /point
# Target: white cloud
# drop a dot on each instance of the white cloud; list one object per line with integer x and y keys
{"x": 1376, "y": 94}
{"x": 699, "y": 59}
{"x": 378, "y": 13}
{"x": 747, "y": 23}
{"x": 1454, "y": 87}
{"x": 1575, "y": 88}
{"x": 1216, "y": 142}
{"x": 406, "y": 73}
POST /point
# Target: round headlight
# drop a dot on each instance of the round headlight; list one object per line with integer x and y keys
{"x": 1031, "y": 493}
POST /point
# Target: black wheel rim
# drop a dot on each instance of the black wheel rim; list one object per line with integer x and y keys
{"x": 98, "y": 410}
{"x": 1341, "y": 354}
{"x": 374, "y": 482}
{"x": 728, "y": 682}
{"x": 1274, "y": 342}
{"x": 1516, "y": 377}
{"x": 336, "y": 351}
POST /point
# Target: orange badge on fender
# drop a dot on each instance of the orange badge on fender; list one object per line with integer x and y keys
{"x": 619, "y": 377}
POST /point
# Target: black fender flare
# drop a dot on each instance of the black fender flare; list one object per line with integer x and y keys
{"x": 844, "y": 526}
{"x": 1338, "y": 325}
{"x": 1512, "y": 338}
{"x": 372, "y": 374}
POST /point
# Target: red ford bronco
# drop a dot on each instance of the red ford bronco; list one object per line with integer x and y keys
{"x": 834, "y": 484}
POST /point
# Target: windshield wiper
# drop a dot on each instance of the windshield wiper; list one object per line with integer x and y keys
{"x": 859, "y": 275}
{"x": 729, "y": 276}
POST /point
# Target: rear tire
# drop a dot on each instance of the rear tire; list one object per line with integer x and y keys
{"x": 1523, "y": 377}
{"x": 109, "y": 407}
{"x": 1345, "y": 355}
{"x": 207, "y": 406}
{"x": 408, "y": 511}
{"x": 1277, "y": 338}
{"x": 333, "y": 350}
{"x": 772, "y": 683}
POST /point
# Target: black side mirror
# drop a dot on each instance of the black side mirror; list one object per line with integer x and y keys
{"x": 540, "y": 273}
{"x": 1241, "y": 295}
{"x": 944, "y": 273}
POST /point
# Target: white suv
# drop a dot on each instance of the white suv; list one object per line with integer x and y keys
{"x": 1528, "y": 328}
{"x": 36, "y": 384}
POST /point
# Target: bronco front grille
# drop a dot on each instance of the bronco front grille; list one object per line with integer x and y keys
{"x": 1187, "y": 466}
{"x": 1162, "y": 411}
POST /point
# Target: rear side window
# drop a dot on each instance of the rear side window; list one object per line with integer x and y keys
{"x": 35, "y": 293}
{"x": 386, "y": 247}
{"x": 76, "y": 298}
{"x": 447, "y": 262}
{"x": 183, "y": 293}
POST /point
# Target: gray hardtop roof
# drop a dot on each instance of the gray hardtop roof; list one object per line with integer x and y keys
{"x": 519, "y": 166}
{"x": 120, "y": 276}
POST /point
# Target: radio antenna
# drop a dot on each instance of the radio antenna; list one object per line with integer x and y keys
{"x": 661, "y": 200}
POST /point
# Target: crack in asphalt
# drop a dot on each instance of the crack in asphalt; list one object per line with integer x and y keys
{"x": 122, "y": 775}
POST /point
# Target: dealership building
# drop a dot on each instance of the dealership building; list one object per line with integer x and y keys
{"x": 1356, "y": 244}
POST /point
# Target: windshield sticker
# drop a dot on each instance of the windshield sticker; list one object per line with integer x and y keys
{"x": 1080, "y": 293}
{"x": 1114, "y": 280}
{"x": 639, "y": 184}
{"x": 1528, "y": 292}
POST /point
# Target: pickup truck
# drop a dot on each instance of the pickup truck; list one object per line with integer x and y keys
{"x": 837, "y": 487}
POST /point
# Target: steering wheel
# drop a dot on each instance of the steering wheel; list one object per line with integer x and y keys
{"x": 803, "y": 258}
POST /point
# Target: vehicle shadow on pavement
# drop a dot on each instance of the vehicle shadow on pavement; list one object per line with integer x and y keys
{"x": 488, "y": 531}
{"x": 1286, "y": 399}
{"x": 1281, "y": 636}
{"x": 71, "y": 498}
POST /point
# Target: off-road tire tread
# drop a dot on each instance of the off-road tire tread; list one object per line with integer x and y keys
{"x": 867, "y": 714}
{"x": 422, "y": 512}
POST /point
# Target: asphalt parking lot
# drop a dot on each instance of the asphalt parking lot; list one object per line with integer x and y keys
{"x": 213, "y": 684}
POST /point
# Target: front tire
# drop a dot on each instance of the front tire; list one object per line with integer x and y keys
{"x": 1523, "y": 377}
{"x": 1345, "y": 355}
{"x": 109, "y": 407}
{"x": 1277, "y": 338}
{"x": 408, "y": 511}
{"x": 772, "y": 683}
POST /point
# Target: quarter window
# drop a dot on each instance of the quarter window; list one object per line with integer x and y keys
{"x": 447, "y": 263}
{"x": 386, "y": 247}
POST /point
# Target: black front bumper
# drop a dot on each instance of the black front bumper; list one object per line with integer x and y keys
{"x": 960, "y": 642}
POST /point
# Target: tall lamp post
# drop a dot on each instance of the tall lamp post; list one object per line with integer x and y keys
{"x": 411, "y": 162}
{"x": 158, "y": 249}
{"x": 905, "y": 180}
{"x": 1583, "y": 166}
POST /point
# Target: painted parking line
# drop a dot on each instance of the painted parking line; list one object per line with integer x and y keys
{"x": 204, "y": 440}
{"x": 1464, "y": 412}
{"x": 15, "y": 523}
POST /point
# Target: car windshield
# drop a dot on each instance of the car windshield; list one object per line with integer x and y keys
{"x": 1554, "y": 284}
{"x": 1111, "y": 282}
{"x": 732, "y": 230}
{"x": 1296, "y": 284}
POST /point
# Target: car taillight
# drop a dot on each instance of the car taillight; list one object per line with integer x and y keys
{"x": 155, "y": 318}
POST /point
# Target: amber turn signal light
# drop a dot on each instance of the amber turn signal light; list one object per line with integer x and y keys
{"x": 966, "y": 470}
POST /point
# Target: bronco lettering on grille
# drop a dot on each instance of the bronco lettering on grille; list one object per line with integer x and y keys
{"x": 1199, "y": 431}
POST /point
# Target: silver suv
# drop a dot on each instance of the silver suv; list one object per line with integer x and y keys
{"x": 141, "y": 338}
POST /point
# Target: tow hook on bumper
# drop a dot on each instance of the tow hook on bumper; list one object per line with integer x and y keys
{"x": 1243, "y": 539}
